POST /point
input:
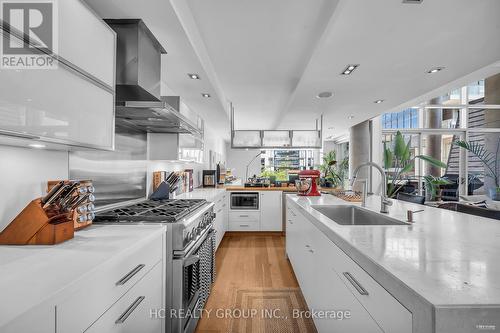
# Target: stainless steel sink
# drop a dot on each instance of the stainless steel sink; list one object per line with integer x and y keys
{"x": 354, "y": 215}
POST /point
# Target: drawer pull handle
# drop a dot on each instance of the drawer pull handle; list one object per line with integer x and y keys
{"x": 355, "y": 284}
{"x": 130, "y": 309}
{"x": 129, "y": 275}
{"x": 244, "y": 225}
{"x": 243, "y": 215}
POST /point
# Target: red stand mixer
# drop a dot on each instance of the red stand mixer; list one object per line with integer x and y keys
{"x": 307, "y": 184}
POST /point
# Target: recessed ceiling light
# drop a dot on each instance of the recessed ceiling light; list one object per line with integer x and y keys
{"x": 37, "y": 145}
{"x": 325, "y": 94}
{"x": 351, "y": 117}
{"x": 378, "y": 101}
{"x": 205, "y": 95}
{"x": 194, "y": 76}
{"x": 435, "y": 70}
{"x": 349, "y": 69}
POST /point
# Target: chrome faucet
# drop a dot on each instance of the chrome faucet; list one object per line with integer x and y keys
{"x": 385, "y": 202}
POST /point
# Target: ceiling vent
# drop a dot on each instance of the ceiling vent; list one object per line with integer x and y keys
{"x": 413, "y": 1}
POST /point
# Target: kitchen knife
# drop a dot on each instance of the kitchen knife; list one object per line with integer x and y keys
{"x": 68, "y": 192}
{"x": 80, "y": 201}
{"x": 68, "y": 203}
{"x": 55, "y": 196}
{"x": 52, "y": 191}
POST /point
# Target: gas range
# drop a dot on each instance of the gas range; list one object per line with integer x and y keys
{"x": 186, "y": 219}
{"x": 163, "y": 211}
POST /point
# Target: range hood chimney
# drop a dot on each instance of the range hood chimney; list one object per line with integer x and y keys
{"x": 138, "y": 61}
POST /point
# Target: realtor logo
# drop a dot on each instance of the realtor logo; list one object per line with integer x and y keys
{"x": 29, "y": 38}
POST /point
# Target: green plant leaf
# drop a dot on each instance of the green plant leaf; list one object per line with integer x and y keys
{"x": 399, "y": 146}
{"x": 388, "y": 157}
{"x": 432, "y": 161}
{"x": 408, "y": 167}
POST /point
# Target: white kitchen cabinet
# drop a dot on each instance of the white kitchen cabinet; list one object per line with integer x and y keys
{"x": 132, "y": 312}
{"x": 86, "y": 40}
{"x": 270, "y": 211}
{"x": 220, "y": 223}
{"x": 72, "y": 104}
{"x": 330, "y": 280}
{"x": 79, "y": 310}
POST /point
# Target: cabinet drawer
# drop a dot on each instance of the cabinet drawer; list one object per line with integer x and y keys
{"x": 249, "y": 225}
{"x": 244, "y": 216}
{"x": 390, "y": 315}
{"x": 106, "y": 286}
{"x": 132, "y": 312}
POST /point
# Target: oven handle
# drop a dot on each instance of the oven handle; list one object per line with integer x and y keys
{"x": 251, "y": 195}
{"x": 188, "y": 251}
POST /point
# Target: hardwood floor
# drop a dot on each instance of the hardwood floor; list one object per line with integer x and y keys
{"x": 247, "y": 262}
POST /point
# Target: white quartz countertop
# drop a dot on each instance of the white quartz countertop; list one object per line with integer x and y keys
{"x": 448, "y": 258}
{"x": 208, "y": 193}
{"x": 30, "y": 275}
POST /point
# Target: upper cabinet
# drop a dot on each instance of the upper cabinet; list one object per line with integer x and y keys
{"x": 86, "y": 41}
{"x": 71, "y": 103}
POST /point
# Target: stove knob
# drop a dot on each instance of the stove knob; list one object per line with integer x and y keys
{"x": 198, "y": 230}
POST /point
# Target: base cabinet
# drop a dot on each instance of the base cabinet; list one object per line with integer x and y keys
{"x": 221, "y": 218}
{"x": 270, "y": 211}
{"x": 331, "y": 281}
{"x": 134, "y": 312}
{"x": 268, "y": 216}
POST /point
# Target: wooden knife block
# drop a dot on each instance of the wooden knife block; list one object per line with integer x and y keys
{"x": 35, "y": 226}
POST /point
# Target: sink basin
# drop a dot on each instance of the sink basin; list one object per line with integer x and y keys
{"x": 354, "y": 215}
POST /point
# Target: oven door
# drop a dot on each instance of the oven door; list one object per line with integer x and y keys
{"x": 245, "y": 201}
{"x": 193, "y": 276}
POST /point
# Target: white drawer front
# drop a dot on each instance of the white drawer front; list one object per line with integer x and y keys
{"x": 244, "y": 216}
{"x": 391, "y": 316}
{"x": 132, "y": 313}
{"x": 106, "y": 286}
{"x": 244, "y": 225}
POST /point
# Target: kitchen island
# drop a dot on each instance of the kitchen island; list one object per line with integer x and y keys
{"x": 443, "y": 270}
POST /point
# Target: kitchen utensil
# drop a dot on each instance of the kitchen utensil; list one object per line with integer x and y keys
{"x": 55, "y": 196}
{"x": 82, "y": 199}
{"x": 52, "y": 192}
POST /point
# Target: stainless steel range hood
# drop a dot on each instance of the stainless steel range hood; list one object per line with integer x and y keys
{"x": 154, "y": 117}
{"x": 139, "y": 106}
{"x": 138, "y": 61}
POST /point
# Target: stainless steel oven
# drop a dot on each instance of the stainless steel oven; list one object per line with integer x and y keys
{"x": 245, "y": 200}
{"x": 193, "y": 275}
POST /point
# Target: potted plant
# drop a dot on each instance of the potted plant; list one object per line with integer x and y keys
{"x": 490, "y": 161}
{"x": 398, "y": 158}
{"x": 334, "y": 172}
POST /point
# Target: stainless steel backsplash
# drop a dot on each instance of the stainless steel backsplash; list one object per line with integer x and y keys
{"x": 118, "y": 175}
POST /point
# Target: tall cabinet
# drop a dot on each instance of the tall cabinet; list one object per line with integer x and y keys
{"x": 71, "y": 104}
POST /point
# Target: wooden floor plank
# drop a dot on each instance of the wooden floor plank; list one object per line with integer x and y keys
{"x": 244, "y": 261}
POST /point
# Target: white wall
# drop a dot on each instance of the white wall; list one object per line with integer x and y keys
{"x": 237, "y": 160}
{"x": 23, "y": 177}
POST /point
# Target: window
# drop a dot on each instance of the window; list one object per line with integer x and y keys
{"x": 434, "y": 126}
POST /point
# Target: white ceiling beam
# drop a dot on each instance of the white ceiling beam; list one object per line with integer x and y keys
{"x": 183, "y": 12}
{"x": 329, "y": 17}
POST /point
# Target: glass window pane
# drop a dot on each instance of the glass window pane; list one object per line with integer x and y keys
{"x": 482, "y": 178}
{"x": 475, "y": 91}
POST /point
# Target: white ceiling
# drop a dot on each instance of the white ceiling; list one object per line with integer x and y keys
{"x": 272, "y": 57}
